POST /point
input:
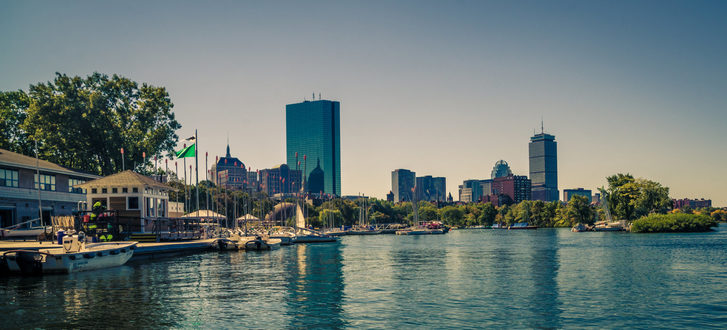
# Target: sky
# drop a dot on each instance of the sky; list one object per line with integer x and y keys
{"x": 443, "y": 88}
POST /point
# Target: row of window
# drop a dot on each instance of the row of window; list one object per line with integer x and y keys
{"x": 9, "y": 178}
{"x": 114, "y": 190}
{"x": 154, "y": 207}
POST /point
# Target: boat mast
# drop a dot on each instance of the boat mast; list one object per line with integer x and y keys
{"x": 37, "y": 173}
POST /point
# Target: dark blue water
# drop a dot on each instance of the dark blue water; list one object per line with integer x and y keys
{"x": 547, "y": 278}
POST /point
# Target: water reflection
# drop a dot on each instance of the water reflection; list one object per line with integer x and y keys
{"x": 315, "y": 289}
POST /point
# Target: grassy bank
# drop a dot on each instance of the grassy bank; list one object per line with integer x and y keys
{"x": 673, "y": 223}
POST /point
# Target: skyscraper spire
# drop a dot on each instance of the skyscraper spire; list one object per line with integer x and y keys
{"x": 228, "y": 145}
{"x": 542, "y": 127}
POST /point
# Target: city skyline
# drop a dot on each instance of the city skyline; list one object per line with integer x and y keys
{"x": 452, "y": 89}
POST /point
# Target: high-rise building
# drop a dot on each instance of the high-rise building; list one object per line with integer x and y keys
{"x": 429, "y": 188}
{"x": 515, "y": 187}
{"x": 569, "y": 193}
{"x": 402, "y": 184}
{"x": 544, "y": 167}
{"x": 470, "y": 191}
{"x": 312, "y": 136}
{"x": 501, "y": 169}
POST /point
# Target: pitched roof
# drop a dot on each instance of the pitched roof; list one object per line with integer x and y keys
{"x": 125, "y": 178}
{"x": 15, "y": 159}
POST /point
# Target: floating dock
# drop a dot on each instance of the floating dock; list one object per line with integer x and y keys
{"x": 143, "y": 250}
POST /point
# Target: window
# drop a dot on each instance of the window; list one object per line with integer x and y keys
{"x": 124, "y": 190}
{"x": 104, "y": 191}
{"x": 114, "y": 190}
{"x": 94, "y": 191}
{"x": 135, "y": 189}
{"x": 72, "y": 183}
{"x": 47, "y": 182}
{"x": 8, "y": 178}
{"x": 132, "y": 203}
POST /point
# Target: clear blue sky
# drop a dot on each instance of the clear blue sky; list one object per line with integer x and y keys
{"x": 445, "y": 88}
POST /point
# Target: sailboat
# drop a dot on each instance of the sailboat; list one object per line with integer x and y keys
{"x": 363, "y": 222}
{"x": 305, "y": 235}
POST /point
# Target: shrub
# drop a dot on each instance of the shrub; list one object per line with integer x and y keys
{"x": 673, "y": 223}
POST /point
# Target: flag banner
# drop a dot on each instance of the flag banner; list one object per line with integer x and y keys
{"x": 187, "y": 152}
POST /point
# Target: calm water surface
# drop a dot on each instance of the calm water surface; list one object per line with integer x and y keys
{"x": 547, "y": 278}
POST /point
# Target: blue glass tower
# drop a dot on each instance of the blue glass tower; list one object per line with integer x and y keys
{"x": 313, "y": 130}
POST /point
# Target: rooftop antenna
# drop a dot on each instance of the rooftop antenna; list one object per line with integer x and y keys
{"x": 542, "y": 127}
{"x": 314, "y": 96}
{"x": 319, "y": 96}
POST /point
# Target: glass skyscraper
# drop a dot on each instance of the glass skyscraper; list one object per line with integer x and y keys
{"x": 313, "y": 130}
{"x": 544, "y": 167}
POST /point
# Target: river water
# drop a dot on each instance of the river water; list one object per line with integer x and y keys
{"x": 545, "y": 278}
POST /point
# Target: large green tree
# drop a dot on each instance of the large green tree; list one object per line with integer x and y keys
{"x": 82, "y": 123}
{"x": 13, "y": 106}
{"x": 630, "y": 198}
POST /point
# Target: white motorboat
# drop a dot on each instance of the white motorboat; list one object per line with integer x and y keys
{"x": 74, "y": 256}
{"x": 27, "y": 229}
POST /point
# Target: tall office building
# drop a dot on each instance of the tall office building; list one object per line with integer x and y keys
{"x": 430, "y": 188}
{"x": 544, "y": 167}
{"x": 313, "y": 131}
{"x": 402, "y": 185}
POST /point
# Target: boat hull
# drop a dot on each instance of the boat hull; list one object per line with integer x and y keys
{"x": 55, "y": 261}
{"x": 314, "y": 239}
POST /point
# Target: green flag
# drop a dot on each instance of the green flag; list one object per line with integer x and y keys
{"x": 186, "y": 152}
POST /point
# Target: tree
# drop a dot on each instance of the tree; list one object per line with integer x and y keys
{"x": 82, "y": 123}
{"x": 630, "y": 198}
{"x": 488, "y": 215}
{"x": 579, "y": 211}
{"x": 13, "y": 106}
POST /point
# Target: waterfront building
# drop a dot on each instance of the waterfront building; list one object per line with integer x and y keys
{"x": 500, "y": 170}
{"x": 402, "y": 184}
{"x": 280, "y": 180}
{"x": 429, "y": 188}
{"x": 313, "y": 136}
{"x": 569, "y": 193}
{"x": 229, "y": 172}
{"x": 517, "y": 188}
{"x": 692, "y": 203}
{"x": 470, "y": 191}
{"x": 135, "y": 196}
{"x": 19, "y": 185}
{"x": 544, "y": 167}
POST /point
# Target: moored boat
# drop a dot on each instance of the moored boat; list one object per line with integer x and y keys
{"x": 74, "y": 256}
{"x": 521, "y": 225}
{"x": 579, "y": 228}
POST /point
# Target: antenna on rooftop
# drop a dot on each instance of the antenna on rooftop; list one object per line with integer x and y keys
{"x": 314, "y": 96}
{"x": 319, "y": 96}
{"x": 542, "y": 127}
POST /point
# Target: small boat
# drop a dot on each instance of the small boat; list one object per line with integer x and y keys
{"x": 521, "y": 225}
{"x": 224, "y": 244}
{"x": 285, "y": 239}
{"x": 579, "y": 228}
{"x": 74, "y": 256}
{"x": 363, "y": 232}
{"x": 610, "y": 226}
{"x": 314, "y": 239}
{"x": 261, "y": 244}
{"x": 498, "y": 226}
{"x": 26, "y": 229}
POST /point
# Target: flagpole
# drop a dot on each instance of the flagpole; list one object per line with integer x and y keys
{"x": 196, "y": 166}
{"x": 206, "y": 178}
{"x": 184, "y": 168}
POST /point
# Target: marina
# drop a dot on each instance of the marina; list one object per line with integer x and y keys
{"x": 467, "y": 279}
